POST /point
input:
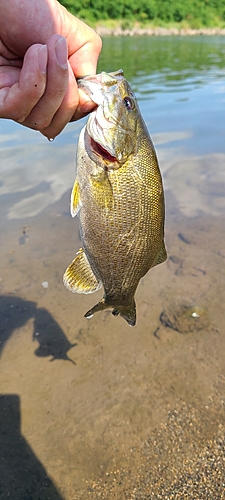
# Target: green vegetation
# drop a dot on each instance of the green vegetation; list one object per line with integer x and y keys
{"x": 189, "y": 13}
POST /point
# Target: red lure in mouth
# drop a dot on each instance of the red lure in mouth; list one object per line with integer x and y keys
{"x": 98, "y": 149}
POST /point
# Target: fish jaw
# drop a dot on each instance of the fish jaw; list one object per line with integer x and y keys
{"x": 100, "y": 153}
{"x": 112, "y": 125}
{"x": 101, "y": 138}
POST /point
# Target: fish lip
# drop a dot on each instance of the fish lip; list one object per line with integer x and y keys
{"x": 103, "y": 78}
{"x": 93, "y": 89}
{"x": 96, "y": 85}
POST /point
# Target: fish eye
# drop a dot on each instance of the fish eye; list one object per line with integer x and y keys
{"x": 129, "y": 103}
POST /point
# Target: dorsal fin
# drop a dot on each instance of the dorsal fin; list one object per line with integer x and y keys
{"x": 79, "y": 276}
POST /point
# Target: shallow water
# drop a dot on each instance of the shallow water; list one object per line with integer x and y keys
{"x": 82, "y": 399}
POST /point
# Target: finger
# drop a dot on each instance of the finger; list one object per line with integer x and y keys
{"x": 6, "y": 52}
{"x": 83, "y": 42}
{"x": 8, "y": 76}
{"x": 11, "y": 62}
{"x": 57, "y": 82}
{"x": 85, "y": 106}
{"x": 75, "y": 105}
{"x": 66, "y": 110}
{"x": 17, "y": 101}
{"x": 84, "y": 60}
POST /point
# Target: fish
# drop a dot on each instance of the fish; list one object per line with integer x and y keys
{"x": 118, "y": 196}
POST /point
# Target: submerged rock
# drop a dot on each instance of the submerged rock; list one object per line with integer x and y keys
{"x": 185, "y": 318}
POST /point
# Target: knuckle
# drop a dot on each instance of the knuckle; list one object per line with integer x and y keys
{"x": 19, "y": 108}
{"x": 16, "y": 114}
{"x": 98, "y": 43}
{"x": 21, "y": 119}
{"x": 45, "y": 123}
{"x": 32, "y": 121}
{"x": 40, "y": 124}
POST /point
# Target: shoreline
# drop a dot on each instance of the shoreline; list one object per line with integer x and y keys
{"x": 136, "y": 31}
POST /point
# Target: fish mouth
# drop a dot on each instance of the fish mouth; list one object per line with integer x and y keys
{"x": 100, "y": 151}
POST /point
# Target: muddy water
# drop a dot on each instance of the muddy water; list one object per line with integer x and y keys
{"x": 94, "y": 408}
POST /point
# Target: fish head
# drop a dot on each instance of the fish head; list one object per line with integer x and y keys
{"x": 112, "y": 128}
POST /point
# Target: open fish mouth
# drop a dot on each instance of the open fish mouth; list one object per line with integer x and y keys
{"x": 100, "y": 151}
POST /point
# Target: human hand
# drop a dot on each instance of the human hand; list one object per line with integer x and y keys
{"x": 37, "y": 76}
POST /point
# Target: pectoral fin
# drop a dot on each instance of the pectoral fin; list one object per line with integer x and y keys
{"x": 102, "y": 190}
{"x": 79, "y": 276}
{"x": 75, "y": 202}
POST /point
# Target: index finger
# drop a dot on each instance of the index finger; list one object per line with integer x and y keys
{"x": 17, "y": 100}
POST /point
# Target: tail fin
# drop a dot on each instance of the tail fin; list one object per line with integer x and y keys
{"x": 127, "y": 311}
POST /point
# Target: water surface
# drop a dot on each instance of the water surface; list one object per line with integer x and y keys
{"x": 84, "y": 419}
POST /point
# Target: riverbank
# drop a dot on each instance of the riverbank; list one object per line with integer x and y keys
{"x": 160, "y": 31}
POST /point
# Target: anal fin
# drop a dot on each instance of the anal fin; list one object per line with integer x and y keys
{"x": 79, "y": 277}
{"x": 161, "y": 255}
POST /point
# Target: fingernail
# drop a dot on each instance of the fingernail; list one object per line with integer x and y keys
{"x": 43, "y": 58}
{"x": 62, "y": 52}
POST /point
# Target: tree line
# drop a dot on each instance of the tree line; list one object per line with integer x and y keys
{"x": 194, "y": 12}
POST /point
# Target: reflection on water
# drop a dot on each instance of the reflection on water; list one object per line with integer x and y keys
{"x": 31, "y": 181}
{"x": 198, "y": 184}
{"x": 180, "y": 87}
{"x": 166, "y": 61}
{"x": 83, "y": 418}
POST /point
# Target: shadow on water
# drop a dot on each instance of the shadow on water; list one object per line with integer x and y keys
{"x": 22, "y": 476}
{"x": 15, "y": 312}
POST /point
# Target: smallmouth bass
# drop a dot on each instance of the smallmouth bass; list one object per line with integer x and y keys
{"x": 118, "y": 195}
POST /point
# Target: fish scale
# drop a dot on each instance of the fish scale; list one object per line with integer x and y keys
{"x": 118, "y": 196}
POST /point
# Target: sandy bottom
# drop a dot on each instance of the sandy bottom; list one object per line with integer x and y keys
{"x": 96, "y": 409}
